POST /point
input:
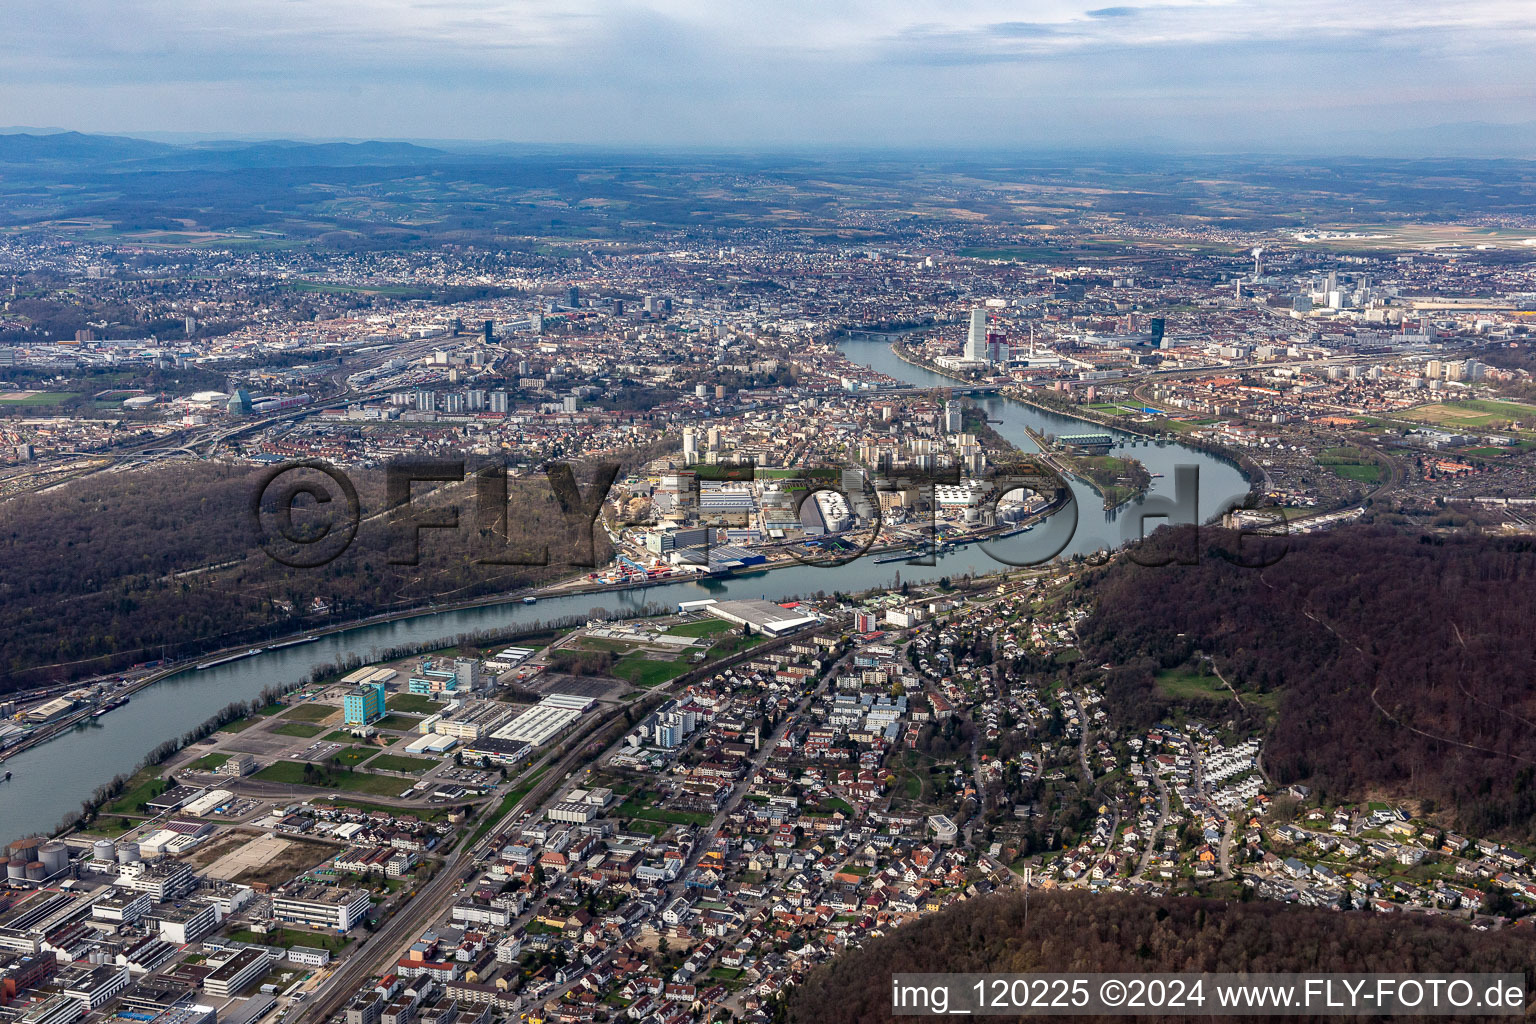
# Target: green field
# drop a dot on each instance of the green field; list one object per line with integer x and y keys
{"x": 42, "y": 398}
{"x": 644, "y": 672}
{"x": 291, "y": 773}
{"x": 351, "y": 757}
{"x": 207, "y": 763}
{"x": 412, "y": 703}
{"x": 241, "y": 724}
{"x": 703, "y": 627}
{"x": 1477, "y": 413}
{"x": 396, "y": 763}
{"x": 398, "y": 723}
{"x": 287, "y": 938}
{"x": 144, "y": 785}
{"x": 310, "y": 712}
{"x": 1352, "y": 464}
{"x": 640, "y": 806}
{"x": 1184, "y": 684}
{"x": 301, "y": 729}
{"x": 1116, "y": 409}
{"x": 603, "y": 644}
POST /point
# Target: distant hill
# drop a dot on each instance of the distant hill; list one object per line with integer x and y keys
{"x": 48, "y": 150}
{"x": 1400, "y": 663}
{"x": 309, "y": 154}
{"x": 371, "y": 194}
{"x": 1105, "y": 932}
{"x": 53, "y": 147}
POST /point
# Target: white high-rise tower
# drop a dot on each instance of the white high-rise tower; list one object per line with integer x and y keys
{"x": 976, "y": 340}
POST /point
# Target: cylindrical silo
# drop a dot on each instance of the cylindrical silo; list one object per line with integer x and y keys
{"x": 55, "y": 857}
{"x": 36, "y": 872}
{"x": 127, "y": 853}
{"x": 104, "y": 850}
{"x": 16, "y": 869}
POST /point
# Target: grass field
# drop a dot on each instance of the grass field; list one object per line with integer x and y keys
{"x": 208, "y": 762}
{"x": 644, "y": 810}
{"x": 703, "y": 627}
{"x": 399, "y": 723}
{"x": 37, "y": 398}
{"x": 144, "y": 785}
{"x": 641, "y": 671}
{"x": 1478, "y": 413}
{"x": 351, "y": 757}
{"x": 291, "y": 773}
{"x": 1352, "y": 464}
{"x": 1116, "y": 409}
{"x": 411, "y": 703}
{"x": 310, "y": 712}
{"x": 396, "y": 763}
{"x": 301, "y": 729}
{"x": 241, "y": 724}
{"x": 599, "y": 643}
{"x": 287, "y": 938}
{"x": 1184, "y": 684}
{"x": 1191, "y": 684}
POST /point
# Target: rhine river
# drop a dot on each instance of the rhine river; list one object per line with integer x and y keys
{"x": 52, "y": 779}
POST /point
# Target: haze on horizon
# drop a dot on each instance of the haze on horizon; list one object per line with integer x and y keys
{"x": 1378, "y": 75}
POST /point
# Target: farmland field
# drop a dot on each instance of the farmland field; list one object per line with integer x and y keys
{"x": 1476, "y": 414}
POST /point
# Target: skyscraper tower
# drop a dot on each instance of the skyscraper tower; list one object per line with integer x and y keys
{"x": 976, "y": 340}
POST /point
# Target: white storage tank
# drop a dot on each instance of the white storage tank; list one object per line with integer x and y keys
{"x": 16, "y": 869}
{"x": 104, "y": 850}
{"x": 128, "y": 853}
{"x": 55, "y": 857}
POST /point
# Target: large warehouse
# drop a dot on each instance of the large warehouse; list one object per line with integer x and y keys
{"x": 763, "y": 616}
{"x": 545, "y": 720}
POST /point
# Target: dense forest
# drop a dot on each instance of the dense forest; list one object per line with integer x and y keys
{"x": 1103, "y": 933}
{"x": 166, "y": 562}
{"x": 1404, "y": 663}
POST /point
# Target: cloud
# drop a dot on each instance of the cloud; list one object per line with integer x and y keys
{"x": 1239, "y": 71}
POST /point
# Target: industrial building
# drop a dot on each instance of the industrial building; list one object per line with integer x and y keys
{"x": 322, "y": 905}
{"x": 364, "y": 705}
{"x": 762, "y": 616}
{"x": 239, "y": 970}
{"x": 545, "y": 720}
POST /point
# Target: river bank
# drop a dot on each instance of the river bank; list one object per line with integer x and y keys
{"x": 56, "y": 776}
{"x": 1026, "y": 395}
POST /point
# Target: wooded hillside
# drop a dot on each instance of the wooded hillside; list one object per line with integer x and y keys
{"x": 165, "y": 562}
{"x": 1102, "y": 933}
{"x": 1405, "y": 663}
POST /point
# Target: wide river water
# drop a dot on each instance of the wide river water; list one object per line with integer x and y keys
{"x": 50, "y": 780}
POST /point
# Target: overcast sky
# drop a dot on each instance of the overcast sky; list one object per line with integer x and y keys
{"x": 1324, "y": 75}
